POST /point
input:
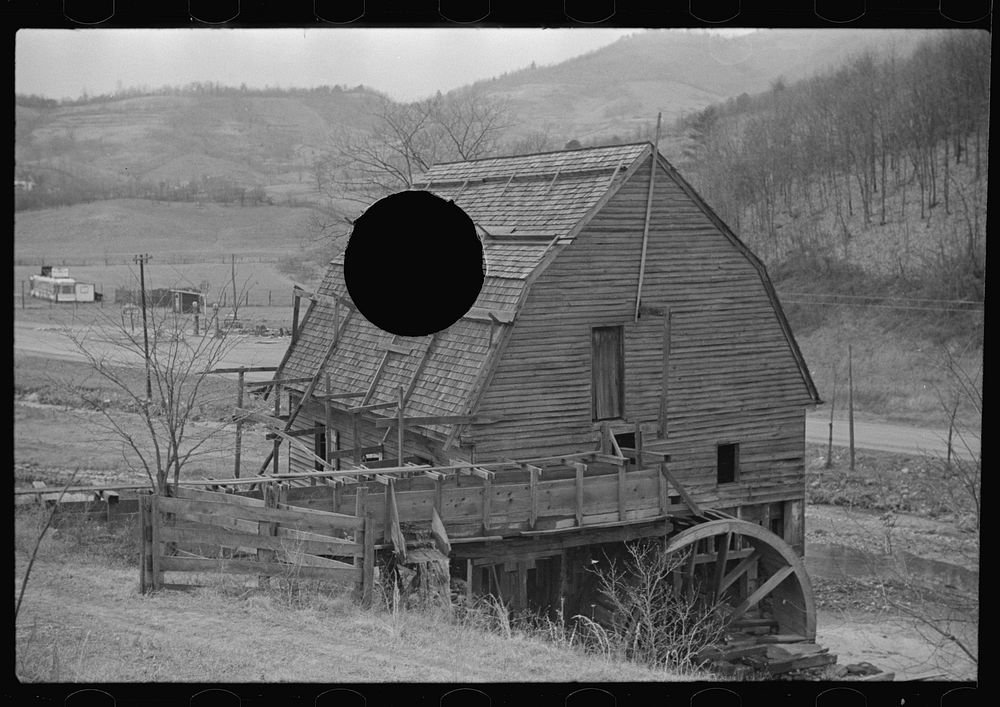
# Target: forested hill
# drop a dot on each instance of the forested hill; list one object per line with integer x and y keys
{"x": 615, "y": 91}
{"x": 881, "y": 164}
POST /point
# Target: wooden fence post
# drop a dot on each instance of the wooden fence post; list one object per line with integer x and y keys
{"x": 156, "y": 550}
{"x": 364, "y": 537}
{"x": 267, "y": 528}
{"x": 368, "y": 581}
{"x": 145, "y": 544}
{"x": 277, "y": 415}
{"x": 239, "y": 422}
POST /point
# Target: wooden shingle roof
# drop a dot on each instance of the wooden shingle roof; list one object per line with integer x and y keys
{"x": 522, "y": 207}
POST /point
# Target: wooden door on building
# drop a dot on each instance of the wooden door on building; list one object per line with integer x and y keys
{"x": 608, "y": 372}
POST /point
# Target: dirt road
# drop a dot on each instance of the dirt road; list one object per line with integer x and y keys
{"x": 881, "y": 436}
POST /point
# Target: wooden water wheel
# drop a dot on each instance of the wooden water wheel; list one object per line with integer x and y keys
{"x": 753, "y": 575}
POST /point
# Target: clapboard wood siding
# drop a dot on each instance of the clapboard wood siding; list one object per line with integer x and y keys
{"x": 733, "y": 376}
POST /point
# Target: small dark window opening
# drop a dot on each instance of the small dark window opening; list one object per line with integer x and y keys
{"x": 778, "y": 526}
{"x": 319, "y": 446}
{"x": 727, "y": 469}
{"x": 626, "y": 440}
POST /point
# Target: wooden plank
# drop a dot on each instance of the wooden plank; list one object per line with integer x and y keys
{"x": 432, "y": 420}
{"x": 800, "y": 663}
{"x": 375, "y": 377}
{"x": 217, "y": 497}
{"x": 401, "y": 349}
{"x": 298, "y": 517}
{"x": 235, "y": 538}
{"x": 340, "y": 396}
{"x": 503, "y": 316}
{"x": 395, "y": 532}
{"x": 762, "y": 591}
{"x": 609, "y": 524}
{"x": 372, "y": 406}
{"x": 695, "y": 508}
{"x": 739, "y": 570}
{"x": 205, "y": 564}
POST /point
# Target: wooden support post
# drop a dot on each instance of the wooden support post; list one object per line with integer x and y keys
{"x": 295, "y": 317}
{"x": 400, "y": 426}
{"x": 360, "y": 536}
{"x": 661, "y": 486}
{"x": 368, "y": 571}
{"x": 522, "y": 585}
{"x": 580, "y": 469}
{"x": 277, "y": 414}
{"x": 468, "y": 581}
{"x": 145, "y": 545}
{"x": 327, "y": 420}
{"x": 387, "y": 515}
{"x": 487, "y": 503}
{"x": 438, "y": 495}
{"x": 665, "y": 375}
{"x": 621, "y": 492}
{"x": 638, "y": 445}
{"x": 533, "y": 490}
{"x": 793, "y": 525}
{"x": 239, "y": 423}
{"x": 356, "y": 438}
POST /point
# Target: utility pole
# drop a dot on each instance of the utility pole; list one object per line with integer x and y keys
{"x": 142, "y": 260}
{"x": 850, "y": 399}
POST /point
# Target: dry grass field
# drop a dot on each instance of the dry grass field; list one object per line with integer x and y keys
{"x": 83, "y": 620}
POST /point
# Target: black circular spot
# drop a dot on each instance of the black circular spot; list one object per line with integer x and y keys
{"x": 414, "y": 263}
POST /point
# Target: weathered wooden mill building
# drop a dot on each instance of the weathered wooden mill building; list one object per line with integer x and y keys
{"x": 626, "y": 367}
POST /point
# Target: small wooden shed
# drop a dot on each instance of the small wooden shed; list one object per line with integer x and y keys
{"x": 618, "y": 314}
{"x": 188, "y": 301}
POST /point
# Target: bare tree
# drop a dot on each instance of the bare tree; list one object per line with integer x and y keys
{"x": 400, "y": 142}
{"x": 158, "y": 436}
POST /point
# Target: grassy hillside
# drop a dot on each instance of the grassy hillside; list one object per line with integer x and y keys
{"x": 119, "y": 228}
{"x": 251, "y": 139}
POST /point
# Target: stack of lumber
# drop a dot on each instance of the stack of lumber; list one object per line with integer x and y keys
{"x": 779, "y": 656}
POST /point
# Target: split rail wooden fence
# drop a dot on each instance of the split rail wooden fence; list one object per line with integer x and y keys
{"x": 214, "y": 532}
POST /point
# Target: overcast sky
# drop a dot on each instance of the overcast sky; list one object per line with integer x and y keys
{"x": 405, "y": 63}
